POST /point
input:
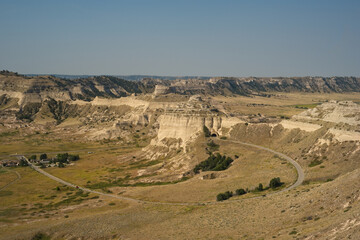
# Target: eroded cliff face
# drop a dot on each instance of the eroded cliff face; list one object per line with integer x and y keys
{"x": 186, "y": 121}
{"x": 188, "y": 127}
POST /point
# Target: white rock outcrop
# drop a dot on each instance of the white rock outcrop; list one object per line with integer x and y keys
{"x": 333, "y": 111}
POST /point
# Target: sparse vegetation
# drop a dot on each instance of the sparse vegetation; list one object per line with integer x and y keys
{"x": 315, "y": 162}
{"x": 40, "y": 236}
{"x": 212, "y": 146}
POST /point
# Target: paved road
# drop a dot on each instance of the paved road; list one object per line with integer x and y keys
{"x": 298, "y": 182}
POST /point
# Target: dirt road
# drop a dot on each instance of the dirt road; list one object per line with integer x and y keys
{"x": 18, "y": 177}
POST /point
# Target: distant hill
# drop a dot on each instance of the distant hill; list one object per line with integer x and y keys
{"x": 37, "y": 88}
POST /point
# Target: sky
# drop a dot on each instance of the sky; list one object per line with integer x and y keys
{"x": 181, "y": 37}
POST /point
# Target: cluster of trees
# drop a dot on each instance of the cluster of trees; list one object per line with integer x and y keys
{"x": 215, "y": 162}
{"x": 274, "y": 183}
{"x": 60, "y": 158}
{"x": 66, "y": 158}
{"x": 224, "y": 196}
{"x": 43, "y": 156}
{"x": 228, "y": 194}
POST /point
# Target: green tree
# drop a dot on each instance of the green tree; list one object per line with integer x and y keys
{"x": 224, "y": 196}
{"x": 275, "y": 183}
{"x": 228, "y": 194}
{"x": 220, "y": 197}
{"x": 240, "y": 191}
{"x": 73, "y": 157}
{"x": 206, "y": 131}
{"x": 23, "y": 163}
{"x": 260, "y": 187}
{"x": 32, "y": 157}
{"x": 43, "y": 156}
{"x": 40, "y": 236}
{"x": 215, "y": 162}
{"x": 62, "y": 157}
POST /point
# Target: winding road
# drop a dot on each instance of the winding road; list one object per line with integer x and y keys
{"x": 300, "y": 179}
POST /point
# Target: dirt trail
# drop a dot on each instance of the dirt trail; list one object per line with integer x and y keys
{"x": 18, "y": 177}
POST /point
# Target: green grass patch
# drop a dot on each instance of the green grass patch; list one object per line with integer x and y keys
{"x": 144, "y": 164}
{"x": 8, "y": 134}
{"x": 315, "y": 163}
{"x": 5, "y": 193}
{"x": 306, "y": 106}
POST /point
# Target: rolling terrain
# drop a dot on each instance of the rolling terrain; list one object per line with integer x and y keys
{"x": 140, "y": 143}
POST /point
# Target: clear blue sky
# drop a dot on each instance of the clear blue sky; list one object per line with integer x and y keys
{"x": 182, "y": 37}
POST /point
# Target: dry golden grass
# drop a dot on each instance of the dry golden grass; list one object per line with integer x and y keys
{"x": 251, "y": 168}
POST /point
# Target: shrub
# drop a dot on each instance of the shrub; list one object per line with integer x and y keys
{"x": 206, "y": 131}
{"x": 260, "y": 187}
{"x": 73, "y": 157}
{"x": 32, "y": 157}
{"x": 220, "y": 197}
{"x": 40, "y": 236}
{"x": 240, "y": 191}
{"x": 62, "y": 157}
{"x": 213, "y": 146}
{"x": 43, "y": 156}
{"x": 315, "y": 163}
{"x": 275, "y": 182}
{"x": 224, "y": 196}
{"x": 23, "y": 163}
